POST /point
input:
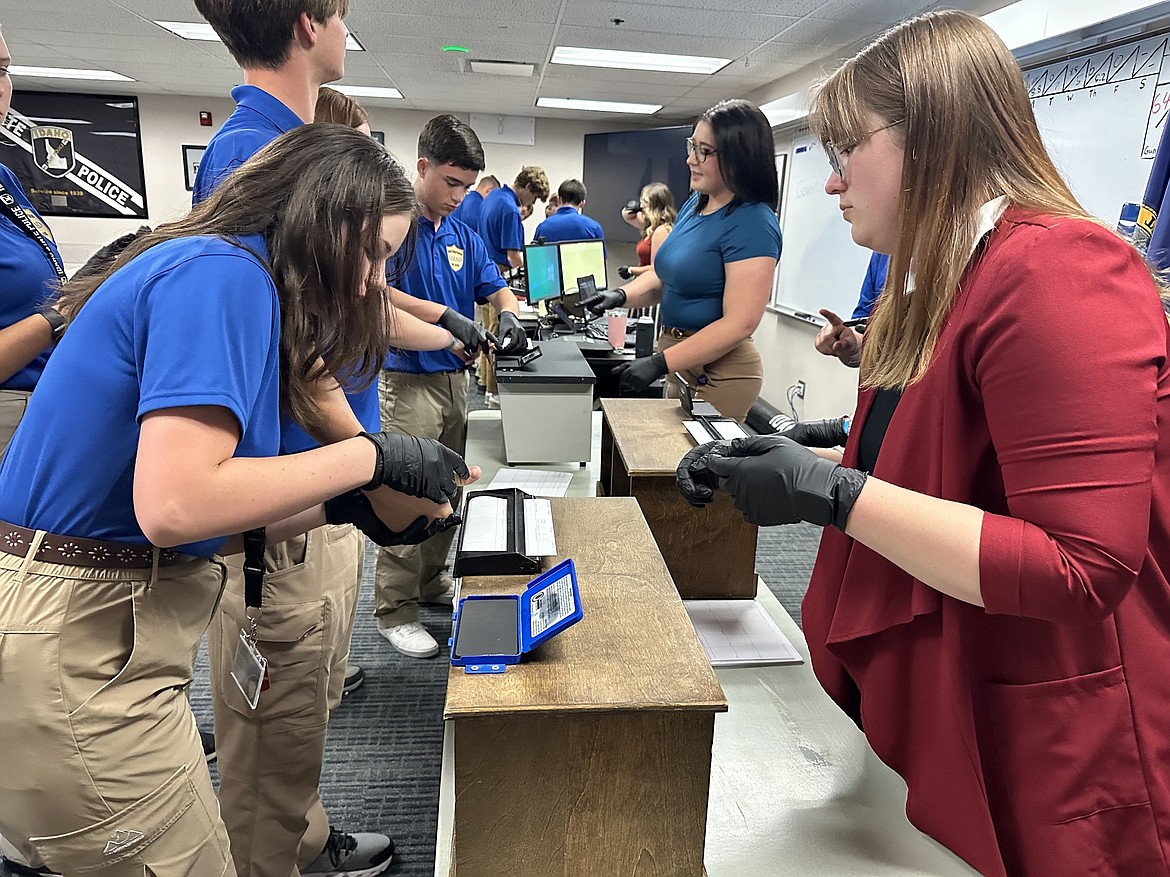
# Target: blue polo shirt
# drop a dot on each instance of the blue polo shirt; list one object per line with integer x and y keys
{"x": 27, "y": 277}
{"x": 569, "y": 224}
{"x": 451, "y": 267}
{"x": 500, "y": 225}
{"x": 192, "y": 321}
{"x": 690, "y": 261}
{"x": 259, "y": 118}
{"x": 871, "y": 286}
{"x": 469, "y": 209}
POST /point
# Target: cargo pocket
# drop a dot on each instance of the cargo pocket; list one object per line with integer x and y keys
{"x": 1069, "y": 755}
{"x": 171, "y": 826}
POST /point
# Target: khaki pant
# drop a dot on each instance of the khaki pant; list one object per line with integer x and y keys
{"x": 734, "y": 380}
{"x": 485, "y": 369}
{"x": 270, "y": 757}
{"x": 101, "y": 762}
{"x": 427, "y": 406}
{"x": 12, "y": 406}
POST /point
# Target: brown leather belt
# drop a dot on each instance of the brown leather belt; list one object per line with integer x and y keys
{"x": 677, "y": 334}
{"x": 77, "y": 551}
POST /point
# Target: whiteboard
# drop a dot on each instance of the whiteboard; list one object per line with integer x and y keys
{"x": 820, "y": 266}
{"x": 1100, "y": 115}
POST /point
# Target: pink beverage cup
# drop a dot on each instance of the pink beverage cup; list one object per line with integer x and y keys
{"x": 615, "y": 324}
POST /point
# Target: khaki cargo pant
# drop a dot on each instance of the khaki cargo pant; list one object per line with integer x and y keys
{"x": 101, "y": 761}
{"x": 485, "y": 369}
{"x": 427, "y": 406}
{"x": 12, "y": 405}
{"x": 270, "y": 758}
{"x": 734, "y": 380}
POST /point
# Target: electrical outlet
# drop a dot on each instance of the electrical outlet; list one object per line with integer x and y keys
{"x": 800, "y": 389}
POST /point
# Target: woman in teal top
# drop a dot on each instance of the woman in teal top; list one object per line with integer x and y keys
{"x": 713, "y": 274}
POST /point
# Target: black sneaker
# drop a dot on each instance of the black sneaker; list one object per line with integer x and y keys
{"x": 352, "y": 855}
{"x": 354, "y": 677}
{"x": 207, "y": 738}
{"x": 9, "y": 868}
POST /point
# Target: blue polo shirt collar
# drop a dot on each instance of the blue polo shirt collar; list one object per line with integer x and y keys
{"x": 515, "y": 197}
{"x": 262, "y": 103}
{"x": 567, "y": 209}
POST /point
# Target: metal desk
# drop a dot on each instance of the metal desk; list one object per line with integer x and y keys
{"x": 547, "y": 407}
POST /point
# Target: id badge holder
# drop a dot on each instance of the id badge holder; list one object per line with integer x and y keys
{"x": 249, "y": 669}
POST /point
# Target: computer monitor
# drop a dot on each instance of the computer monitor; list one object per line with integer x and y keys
{"x": 542, "y": 264}
{"x": 582, "y": 258}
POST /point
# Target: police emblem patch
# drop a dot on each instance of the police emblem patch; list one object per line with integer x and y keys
{"x": 53, "y": 149}
{"x": 455, "y": 257}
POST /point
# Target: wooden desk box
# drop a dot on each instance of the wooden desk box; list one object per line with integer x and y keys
{"x": 710, "y": 552}
{"x": 593, "y": 756}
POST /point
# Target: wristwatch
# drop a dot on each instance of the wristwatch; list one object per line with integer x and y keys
{"x": 56, "y": 322}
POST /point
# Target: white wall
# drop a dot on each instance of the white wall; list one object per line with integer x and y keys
{"x": 169, "y": 122}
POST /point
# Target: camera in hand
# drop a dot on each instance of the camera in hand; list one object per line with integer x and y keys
{"x": 632, "y": 206}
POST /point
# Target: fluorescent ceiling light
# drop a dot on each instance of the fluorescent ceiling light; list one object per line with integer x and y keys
{"x": 368, "y": 91}
{"x": 67, "y": 73}
{"x": 503, "y": 68}
{"x": 597, "y": 106}
{"x": 786, "y": 109}
{"x": 201, "y": 30}
{"x": 1030, "y": 21}
{"x": 637, "y": 60}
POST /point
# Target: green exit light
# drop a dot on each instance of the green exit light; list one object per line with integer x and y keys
{"x": 462, "y": 49}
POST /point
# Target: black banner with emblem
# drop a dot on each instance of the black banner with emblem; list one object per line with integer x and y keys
{"x": 76, "y": 154}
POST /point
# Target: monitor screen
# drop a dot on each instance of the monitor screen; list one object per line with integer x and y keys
{"x": 544, "y": 273}
{"x": 582, "y": 258}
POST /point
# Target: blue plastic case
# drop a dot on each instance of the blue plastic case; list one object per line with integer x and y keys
{"x": 550, "y": 603}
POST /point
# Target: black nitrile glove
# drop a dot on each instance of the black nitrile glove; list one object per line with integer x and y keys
{"x": 773, "y": 480}
{"x": 417, "y": 467}
{"x": 510, "y": 340}
{"x": 354, "y": 508}
{"x": 638, "y": 374}
{"x": 696, "y": 482}
{"x": 818, "y": 433}
{"x": 625, "y": 273}
{"x": 467, "y": 332}
{"x": 604, "y": 300}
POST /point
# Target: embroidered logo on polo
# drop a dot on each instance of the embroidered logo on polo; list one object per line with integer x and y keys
{"x": 454, "y": 257}
{"x": 53, "y": 150}
{"x": 122, "y": 840}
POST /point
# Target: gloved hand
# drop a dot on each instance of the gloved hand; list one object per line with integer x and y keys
{"x": 773, "y": 480}
{"x": 417, "y": 467}
{"x": 604, "y": 300}
{"x": 510, "y": 340}
{"x": 694, "y": 479}
{"x": 354, "y": 508}
{"x": 818, "y": 433}
{"x": 638, "y": 374}
{"x": 467, "y": 332}
{"x": 625, "y": 273}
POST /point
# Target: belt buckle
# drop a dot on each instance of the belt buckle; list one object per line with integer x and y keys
{"x": 676, "y": 334}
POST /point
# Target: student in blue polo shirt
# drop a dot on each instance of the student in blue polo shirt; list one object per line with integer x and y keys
{"x": 569, "y": 223}
{"x": 844, "y": 342}
{"x": 502, "y": 230}
{"x": 157, "y": 423}
{"x": 286, "y": 53}
{"x": 425, "y": 394}
{"x": 469, "y": 208}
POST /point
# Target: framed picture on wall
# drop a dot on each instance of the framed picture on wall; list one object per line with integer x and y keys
{"x": 380, "y": 136}
{"x": 76, "y": 154}
{"x": 192, "y": 155}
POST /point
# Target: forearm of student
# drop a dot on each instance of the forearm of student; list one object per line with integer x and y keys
{"x": 427, "y": 311}
{"x": 21, "y": 342}
{"x": 280, "y": 531}
{"x": 189, "y": 487}
{"x": 934, "y": 540}
{"x": 706, "y": 346}
{"x": 412, "y": 333}
{"x": 515, "y": 258}
{"x": 504, "y": 300}
{"x": 643, "y": 291}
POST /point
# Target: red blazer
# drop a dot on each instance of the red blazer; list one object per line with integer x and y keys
{"x": 1033, "y": 735}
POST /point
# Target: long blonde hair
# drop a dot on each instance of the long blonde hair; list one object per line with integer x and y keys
{"x": 660, "y": 208}
{"x": 969, "y": 135}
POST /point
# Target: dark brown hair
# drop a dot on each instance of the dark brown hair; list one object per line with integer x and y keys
{"x": 260, "y": 34}
{"x": 317, "y": 195}
{"x": 572, "y": 192}
{"x": 447, "y": 139}
{"x": 535, "y": 180}
{"x": 745, "y": 152}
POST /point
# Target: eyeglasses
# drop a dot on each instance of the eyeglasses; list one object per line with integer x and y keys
{"x": 839, "y": 158}
{"x": 699, "y": 151}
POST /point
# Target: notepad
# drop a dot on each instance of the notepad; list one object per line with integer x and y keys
{"x": 739, "y": 633}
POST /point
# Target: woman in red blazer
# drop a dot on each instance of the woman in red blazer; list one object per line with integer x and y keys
{"x": 991, "y": 604}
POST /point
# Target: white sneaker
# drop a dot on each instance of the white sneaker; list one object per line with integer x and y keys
{"x": 411, "y": 639}
{"x": 445, "y": 597}
{"x": 363, "y": 854}
{"x": 491, "y": 401}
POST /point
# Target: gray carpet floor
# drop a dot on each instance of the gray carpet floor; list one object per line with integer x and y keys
{"x": 384, "y": 752}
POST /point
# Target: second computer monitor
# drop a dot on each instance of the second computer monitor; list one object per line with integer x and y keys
{"x": 582, "y": 259}
{"x": 543, "y": 267}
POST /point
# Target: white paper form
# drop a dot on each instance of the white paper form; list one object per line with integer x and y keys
{"x": 739, "y": 633}
{"x": 539, "y": 539}
{"x": 534, "y": 482}
{"x": 486, "y": 527}
{"x": 727, "y": 429}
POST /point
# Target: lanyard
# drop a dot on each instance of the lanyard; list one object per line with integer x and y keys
{"x": 18, "y": 215}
